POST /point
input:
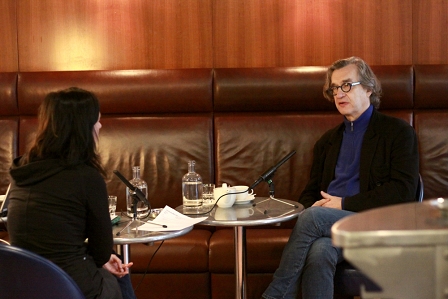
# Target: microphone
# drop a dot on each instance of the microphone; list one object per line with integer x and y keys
{"x": 265, "y": 176}
{"x": 137, "y": 191}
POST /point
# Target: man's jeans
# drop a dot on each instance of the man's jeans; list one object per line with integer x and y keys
{"x": 127, "y": 291}
{"x": 309, "y": 257}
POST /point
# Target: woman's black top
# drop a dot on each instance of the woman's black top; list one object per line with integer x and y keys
{"x": 54, "y": 209}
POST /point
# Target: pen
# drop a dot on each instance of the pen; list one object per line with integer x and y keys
{"x": 150, "y": 222}
{"x": 127, "y": 225}
{"x": 162, "y": 225}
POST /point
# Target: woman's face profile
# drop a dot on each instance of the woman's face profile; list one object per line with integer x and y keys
{"x": 96, "y": 128}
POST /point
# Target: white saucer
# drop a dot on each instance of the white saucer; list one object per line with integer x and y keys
{"x": 242, "y": 202}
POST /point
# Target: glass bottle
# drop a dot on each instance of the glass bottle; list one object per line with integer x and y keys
{"x": 142, "y": 208}
{"x": 192, "y": 187}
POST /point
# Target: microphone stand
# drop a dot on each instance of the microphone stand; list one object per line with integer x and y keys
{"x": 271, "y": 194}
{"x": 267, "y": 177}
{"x": 134, "y": 218}
{"x": 137, "y": 196}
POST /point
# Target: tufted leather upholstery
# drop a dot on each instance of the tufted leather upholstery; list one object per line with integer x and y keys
{"x": 235, "y": 123}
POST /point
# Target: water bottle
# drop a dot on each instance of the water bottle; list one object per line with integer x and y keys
{"x": 142, "y": 208}
{"x": 192, "y": 187}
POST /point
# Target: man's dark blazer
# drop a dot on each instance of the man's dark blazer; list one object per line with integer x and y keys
{"x": 389, "y": 166}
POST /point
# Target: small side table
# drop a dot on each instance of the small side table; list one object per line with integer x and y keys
{"x": 258, "y": 212}
{"x": 403, "y": 248}
{"x": 130, "y": 236}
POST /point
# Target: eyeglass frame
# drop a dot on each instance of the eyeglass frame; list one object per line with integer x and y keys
{"x": 333, "y": 90}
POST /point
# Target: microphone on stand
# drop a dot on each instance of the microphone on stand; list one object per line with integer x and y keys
{"x": 136, "y": 190}
{"x": 267, "y": 175}
{"x": 137, "y": 196}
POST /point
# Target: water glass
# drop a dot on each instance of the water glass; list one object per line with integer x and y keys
{"x": 207, "y": 194}
{"x": 112, "y": 205}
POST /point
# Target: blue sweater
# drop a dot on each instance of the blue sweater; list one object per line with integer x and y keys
{"x": 346, "y": 177}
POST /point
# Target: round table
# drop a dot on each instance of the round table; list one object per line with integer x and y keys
{"x": 403, "y": 248}
{"x": 260, "y": 211}
{"x": 130, "y": 236}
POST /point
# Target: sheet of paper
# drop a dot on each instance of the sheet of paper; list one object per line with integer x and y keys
{"x": 172, "y": 219}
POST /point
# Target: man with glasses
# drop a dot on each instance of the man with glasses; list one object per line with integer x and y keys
{"x": 368, "y": 161}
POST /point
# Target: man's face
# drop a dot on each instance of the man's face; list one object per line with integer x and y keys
{"x": 353, "y": 103}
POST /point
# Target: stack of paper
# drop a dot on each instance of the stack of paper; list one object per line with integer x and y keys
{"x": 172, "y": 219}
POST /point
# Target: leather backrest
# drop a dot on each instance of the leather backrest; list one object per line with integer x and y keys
{"x": 262, "y": 114}
{"x": 431, "y": 123}
{"x": 156, "y": 119}
{"x": 236, "y": 122}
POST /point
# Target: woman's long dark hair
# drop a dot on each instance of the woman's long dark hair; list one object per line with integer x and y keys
{"x": 65, "y": 130}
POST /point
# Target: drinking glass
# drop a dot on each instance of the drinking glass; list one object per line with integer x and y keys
{"x": 207, "y": 194}
{"x": 112, "y": 205}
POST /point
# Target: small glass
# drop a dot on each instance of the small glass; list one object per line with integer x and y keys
{"x": 207, "y": 194}
{"x": 112, "y": 205}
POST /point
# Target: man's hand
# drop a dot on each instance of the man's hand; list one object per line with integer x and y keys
{"x": 329, "y": 201}
{"x": 116, "y": 267}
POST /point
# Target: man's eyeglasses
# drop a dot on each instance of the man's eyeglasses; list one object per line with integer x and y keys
{"x": 345, "y": 87}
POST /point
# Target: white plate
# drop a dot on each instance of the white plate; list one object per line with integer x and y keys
{"x": 242, "y": 202}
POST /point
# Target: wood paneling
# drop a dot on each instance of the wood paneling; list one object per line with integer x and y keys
{"x": 256, "y": 33}
{"x": 55, "y": 35}
{"x": 95, "y": 35}
{"x": 8, "y": 36}
{"x": 430, "y": 37}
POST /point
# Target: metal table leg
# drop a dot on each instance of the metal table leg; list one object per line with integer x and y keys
{"x": 124, "y": 251}
{"x": 240, "y": 262}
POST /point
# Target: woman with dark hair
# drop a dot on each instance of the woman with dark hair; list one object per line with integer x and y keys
{"x": 59, "y": 197}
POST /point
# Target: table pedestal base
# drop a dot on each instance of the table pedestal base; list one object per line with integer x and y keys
{"x": 123, "y": 250}
{"x": 240, "y": 262}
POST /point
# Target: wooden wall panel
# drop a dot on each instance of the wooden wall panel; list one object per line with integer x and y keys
{"x": 140, "y": 34}
{"x": 95, "y": 35}
{"x": 8, "y": 36}
{"x": 430, "y": 37}
{"x": 256, "y": 33}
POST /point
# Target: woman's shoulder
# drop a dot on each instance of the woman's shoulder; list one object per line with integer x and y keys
{"x": 88, "y": 173}
{"x": 90, "y": 180}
